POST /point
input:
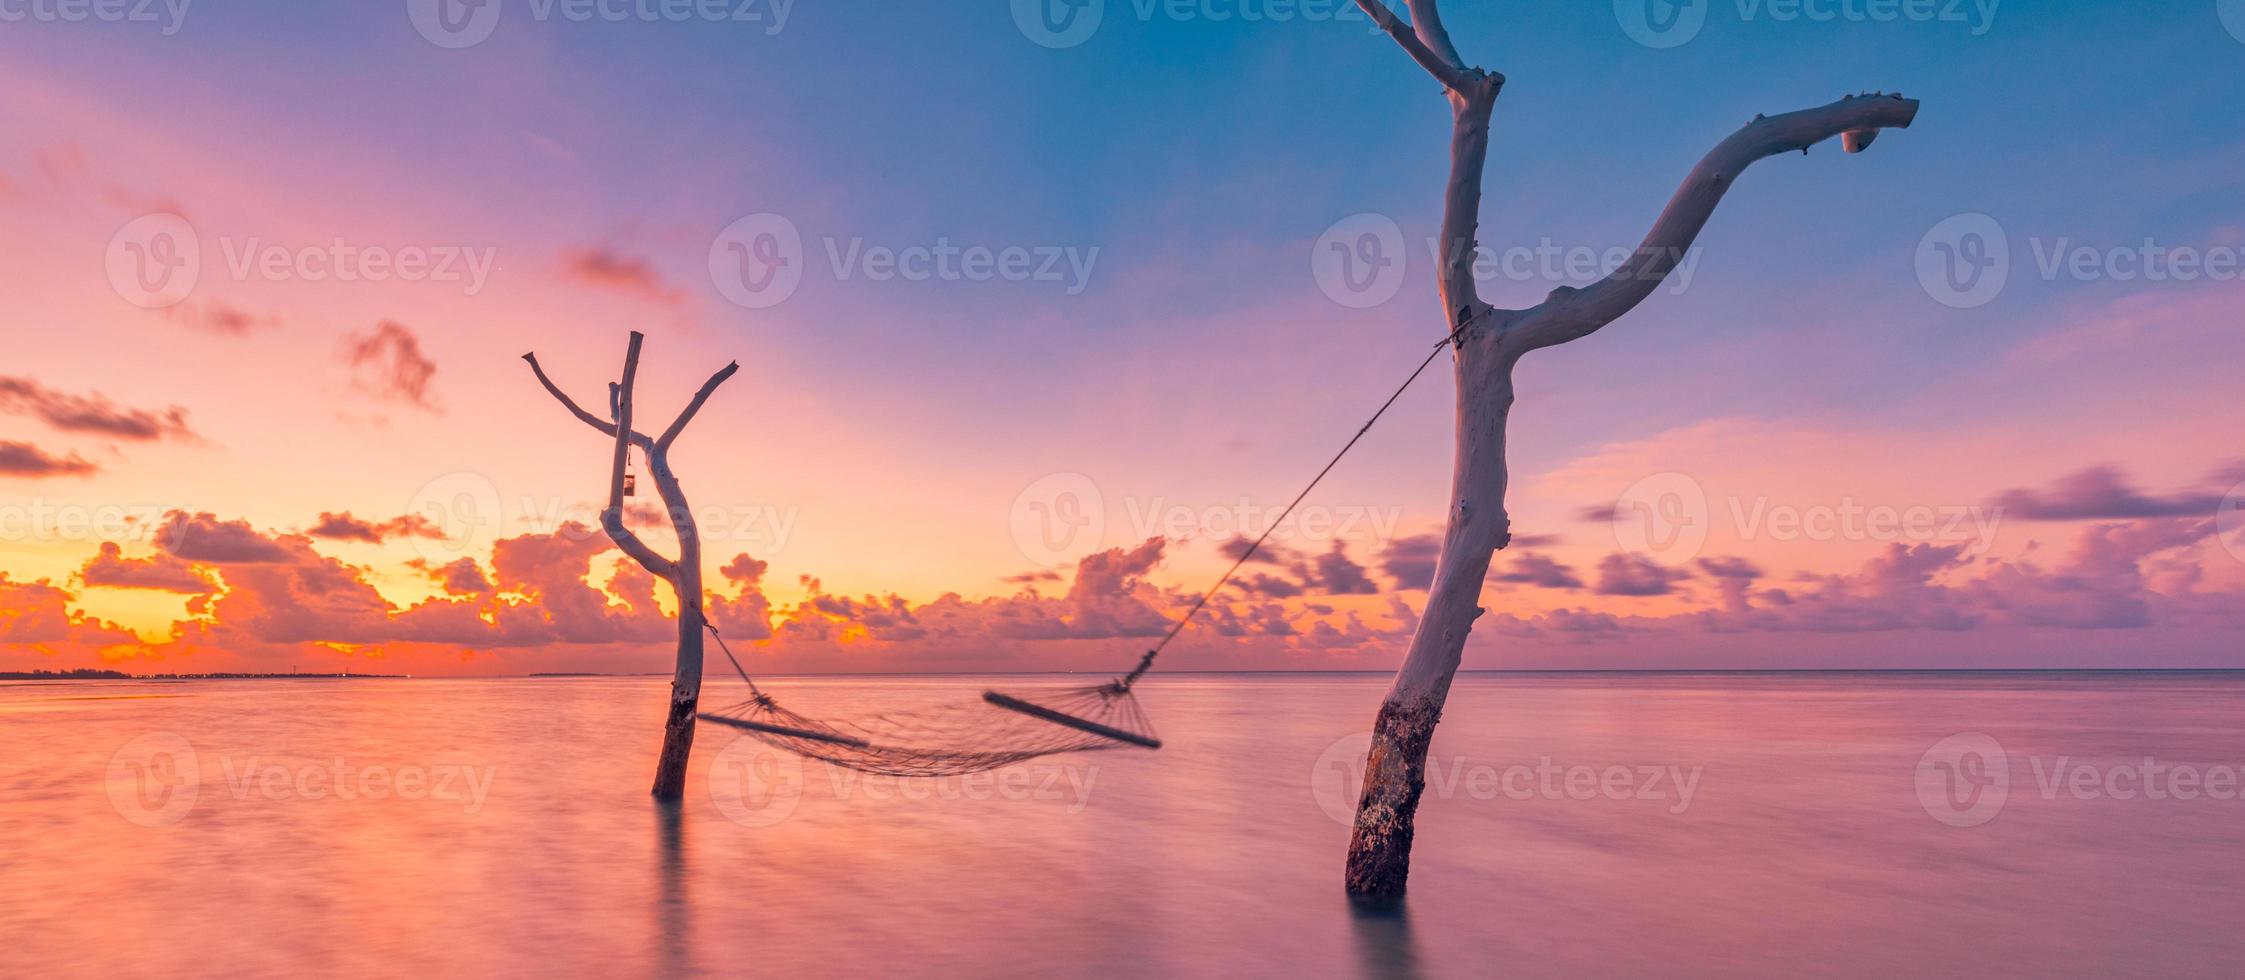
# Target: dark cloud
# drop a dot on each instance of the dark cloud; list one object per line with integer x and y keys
{"x": 1268, "y": 553}
{"x": 1338, "y": 574}
{"x": 203, "y": 538}
{"x": 1627, "y": 575}
{"x": 1738, "y": 568}
{"x": 2101, "y": 493}
{"x": 1537, "y": 570}
{"x": 1596, "y": 514}
{"x": 344, "y": 527}
{"x": 1268, "y": 586}
{"x": 94, "y": 414}
{"x": 1410, "y": 560}
{"x": 388, "y": 363}
{"x": 25, "y": 459}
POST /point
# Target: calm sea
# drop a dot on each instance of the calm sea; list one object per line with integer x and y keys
{"x": 1577, "y": 825}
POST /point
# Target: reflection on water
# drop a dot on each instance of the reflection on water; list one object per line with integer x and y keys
{"x": 1575, "y": 824}
{"x": 1384, "y": 947}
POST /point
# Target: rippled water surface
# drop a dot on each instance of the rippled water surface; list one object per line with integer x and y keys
{"x": 1577, "y": 824}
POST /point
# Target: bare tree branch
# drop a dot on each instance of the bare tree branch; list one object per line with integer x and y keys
{"x": 612, "y": 518}
{"x": 1428, "y": 23}
{"x": 605, "y": 427}
{"x": 670, "y": 435}
{"x": 1471, "y": 108}
{"x": 1571, "y": 314}
{"x": 1444, "y": 66}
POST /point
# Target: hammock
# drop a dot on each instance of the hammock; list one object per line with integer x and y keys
{"x": 1000, "y": 729}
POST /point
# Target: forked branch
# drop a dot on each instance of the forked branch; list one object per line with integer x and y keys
{"x": 612, "y": 516}
{"x": 1571, "y": 314}
{"x": 620, "y": 428}
{"x": 1423, "y": 39}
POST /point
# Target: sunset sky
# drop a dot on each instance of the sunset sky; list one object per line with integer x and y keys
{"x": 1033, "y": 464}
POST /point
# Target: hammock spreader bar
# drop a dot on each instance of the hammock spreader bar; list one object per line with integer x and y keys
{"x": 1033, "y": 710}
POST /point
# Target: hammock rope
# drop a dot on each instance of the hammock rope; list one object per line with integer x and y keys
{"x": 957, "y": 739}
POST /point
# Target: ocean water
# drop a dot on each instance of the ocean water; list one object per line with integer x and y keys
{"x": 1578, "y": 825}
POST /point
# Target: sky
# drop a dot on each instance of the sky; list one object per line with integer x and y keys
{"x": 1039, "y": 311}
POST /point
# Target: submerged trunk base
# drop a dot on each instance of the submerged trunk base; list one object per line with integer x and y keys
{"x": 678, "y": 743}
{"x": 1394, "y": 777}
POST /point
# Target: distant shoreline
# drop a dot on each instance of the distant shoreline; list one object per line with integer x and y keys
{"x": 114, "y": 675}
{"x": 118, "y": 675}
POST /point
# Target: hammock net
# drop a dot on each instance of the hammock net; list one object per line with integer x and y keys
{"x": 1000, "y": 729}
{"x": 953, "y": 739}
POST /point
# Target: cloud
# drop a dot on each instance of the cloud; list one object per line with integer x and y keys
{"x": 36, "y": 617}
{"x": 1268, "y": 553}
{"x": 1268, "y": 586}
{"x": 459, "y": 577}
{"x": 160, "y": 572}
{"x": 603, "y": 268}
{"x": 1338, "y": 574}
{"x": 344, "y": 527}
{"x": 1628, "y": 575}
{"x": 94, "y": 414}
{"x": 2102, "y": 493}
{"x": 203, "y": 538}
{"x": 388, "y": 363}
{"x": 1537, "y": 570}
{"x": 219, "y": 317}
{"x": 24, "y": 459}
{"x": 1410, "y": 560}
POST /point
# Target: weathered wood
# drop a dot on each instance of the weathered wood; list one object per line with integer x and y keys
{"x": 1489, "y": 344}
{"x": 684, "y": 574}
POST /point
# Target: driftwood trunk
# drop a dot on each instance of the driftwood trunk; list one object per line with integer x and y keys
{"x": 1488, "y": 343}
{"x": 684, "y": 574}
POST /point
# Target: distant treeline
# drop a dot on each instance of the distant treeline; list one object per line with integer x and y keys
{"x": 81, "y": 673}
{"x": 91, "y": 674}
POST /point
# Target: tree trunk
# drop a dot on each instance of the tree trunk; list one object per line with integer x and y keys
{"x": 685, "y": 574}
{"x": 1489, "y": 343}
{"x": 686, "y": 679}
{"x": 1395, "y": 773}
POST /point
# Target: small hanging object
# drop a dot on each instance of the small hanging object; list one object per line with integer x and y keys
{"x": 631, "y": 483}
